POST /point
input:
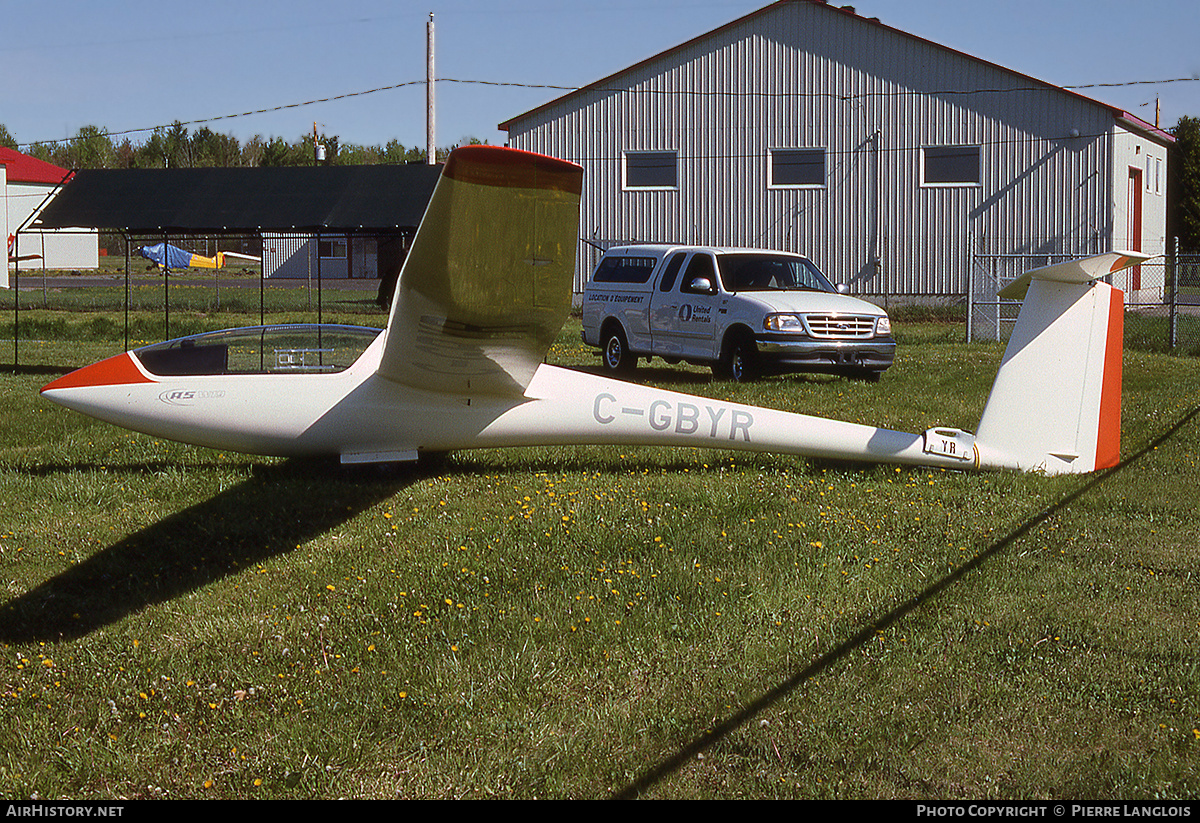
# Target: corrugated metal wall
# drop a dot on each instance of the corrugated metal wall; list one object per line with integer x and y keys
{"x": 804, "y": 75}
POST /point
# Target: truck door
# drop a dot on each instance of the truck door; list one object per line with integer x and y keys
{"x": 686, "y": 321}
{"x": 664, "y": 304}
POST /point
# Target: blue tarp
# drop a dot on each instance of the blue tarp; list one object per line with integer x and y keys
{"x": 174, "y": 258}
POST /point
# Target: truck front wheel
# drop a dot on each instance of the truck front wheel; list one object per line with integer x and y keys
{"x": 739, "y": 360}
{"x": 617, "y": 357}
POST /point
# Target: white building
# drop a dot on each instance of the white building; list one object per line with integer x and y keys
{"x": 26, "y": 187}
{"x": 294, "y": 255}
{"x": 897, "y": 164}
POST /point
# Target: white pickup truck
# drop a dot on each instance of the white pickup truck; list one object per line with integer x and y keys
{"x": 744, "y": 312}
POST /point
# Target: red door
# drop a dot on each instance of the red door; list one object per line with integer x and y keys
{"x": 1134, "y": 224}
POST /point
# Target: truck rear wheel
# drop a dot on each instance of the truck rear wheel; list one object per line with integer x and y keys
{"x": 617, "y": 357}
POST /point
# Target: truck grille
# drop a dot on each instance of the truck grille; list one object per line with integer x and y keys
{"x": 840, "y": 326}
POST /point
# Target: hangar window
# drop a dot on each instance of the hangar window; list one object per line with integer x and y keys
{"x": 791, "y": 168}
{"x": 651, "y": 170}
{"x": 950, "y": 166}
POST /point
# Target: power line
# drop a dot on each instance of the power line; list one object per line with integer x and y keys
{"x": 627, "y": 90}
{"x": 220, "y": 117}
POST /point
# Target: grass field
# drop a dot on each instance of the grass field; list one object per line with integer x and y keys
{"x": 601, "y": 622}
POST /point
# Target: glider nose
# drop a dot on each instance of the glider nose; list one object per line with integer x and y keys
{"x": 115, "y": 371}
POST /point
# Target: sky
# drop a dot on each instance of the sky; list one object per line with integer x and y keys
{"x": 130, "y": 65}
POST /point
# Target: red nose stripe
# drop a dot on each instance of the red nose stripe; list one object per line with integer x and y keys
{"x": 111, "y": 372}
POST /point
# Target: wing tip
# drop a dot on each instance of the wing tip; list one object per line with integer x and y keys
{"x": 513, "y": 168}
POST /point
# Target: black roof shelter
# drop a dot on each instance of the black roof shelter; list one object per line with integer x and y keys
{"x": 330, "y": 200}
{"x": 341, "y": 199}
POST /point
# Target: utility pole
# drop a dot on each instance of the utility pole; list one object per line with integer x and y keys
{"x": 318, "y": 148}
{"x": 430, "y": 120}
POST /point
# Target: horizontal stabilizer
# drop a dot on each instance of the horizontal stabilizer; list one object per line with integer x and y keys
{"x": 1074, "y": 271}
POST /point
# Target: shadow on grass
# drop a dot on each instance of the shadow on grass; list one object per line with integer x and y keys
{"x": 275, "y": 511}
{"x": 867, "y": 633}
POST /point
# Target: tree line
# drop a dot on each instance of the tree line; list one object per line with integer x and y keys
{"x": 1183, "y": 184}
{"x": 178, "y": 147}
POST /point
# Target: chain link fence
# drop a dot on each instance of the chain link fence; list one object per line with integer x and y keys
{"x": 1162, "y": 298}
{"x": 265, "y": 279}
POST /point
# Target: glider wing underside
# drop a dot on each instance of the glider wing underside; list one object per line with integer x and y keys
{"x": 487, "y": 285}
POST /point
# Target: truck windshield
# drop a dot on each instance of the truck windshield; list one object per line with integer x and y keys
{"x": 769, "y": 272}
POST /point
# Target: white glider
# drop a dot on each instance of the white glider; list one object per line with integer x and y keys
{"x": 484, "y": 292}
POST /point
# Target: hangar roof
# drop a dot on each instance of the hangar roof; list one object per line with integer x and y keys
{"x": 613, "y": 81}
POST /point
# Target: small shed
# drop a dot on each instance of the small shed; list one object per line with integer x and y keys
{"x": 27, "y": 185}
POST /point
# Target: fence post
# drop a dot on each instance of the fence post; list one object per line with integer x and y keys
{"x": 1173, "y": 274}
{"x": 994, "y": 289}
{"x": 971, "y": 302}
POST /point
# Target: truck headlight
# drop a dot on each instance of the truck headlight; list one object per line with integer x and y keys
{"x": 783, "y": 322}
{"x": 883, "y": 326}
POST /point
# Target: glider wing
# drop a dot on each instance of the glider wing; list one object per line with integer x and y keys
{"x": 487, "y": 285}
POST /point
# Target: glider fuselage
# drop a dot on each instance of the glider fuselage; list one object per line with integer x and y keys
{"x": 360, "y": 416}
{"x": 482, "y": 295}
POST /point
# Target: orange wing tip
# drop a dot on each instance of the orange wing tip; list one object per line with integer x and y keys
{"x": 513, "y": 168}
{"x": 114, "y": 371}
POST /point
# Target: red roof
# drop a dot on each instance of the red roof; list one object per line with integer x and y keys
{"x": 25, "y": 169}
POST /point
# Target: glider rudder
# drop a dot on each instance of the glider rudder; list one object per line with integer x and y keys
{"x": 1055, "y": 405}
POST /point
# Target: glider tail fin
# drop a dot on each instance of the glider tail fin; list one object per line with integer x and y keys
{"x": 1055, "y": 405}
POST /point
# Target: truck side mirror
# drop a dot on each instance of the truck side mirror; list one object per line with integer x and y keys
{"x": 842, "y": 288}
{"x": 702, "y": 285}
